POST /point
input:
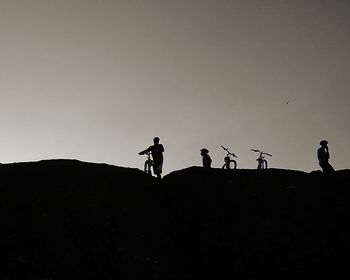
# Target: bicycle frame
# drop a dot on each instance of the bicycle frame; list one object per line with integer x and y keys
{"x": 228, "y": 159}
{"x": 148, "y": 164}
{"x": 262, "y": 162}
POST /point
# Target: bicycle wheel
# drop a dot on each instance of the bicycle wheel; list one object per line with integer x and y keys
{"x": 259, "y": 164}
{"x": 147, "y": 167}
{"x": 232, "y": 164}
{"x": 264, "y": 164}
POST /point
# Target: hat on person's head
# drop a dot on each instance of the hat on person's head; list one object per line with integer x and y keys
{"x": 323, "y": 143}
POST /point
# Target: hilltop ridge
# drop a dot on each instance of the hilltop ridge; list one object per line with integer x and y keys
{"x": 66, "y": 218}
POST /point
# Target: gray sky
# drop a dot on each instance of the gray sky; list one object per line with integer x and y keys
{"x": 97, "y": 80}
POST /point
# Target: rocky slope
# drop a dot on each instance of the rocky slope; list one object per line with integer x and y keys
{"x": 63, "y": 219}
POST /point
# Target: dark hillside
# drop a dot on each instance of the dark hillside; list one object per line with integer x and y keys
{"x": 65, "y": 219}
{"x": 248, "y": 224}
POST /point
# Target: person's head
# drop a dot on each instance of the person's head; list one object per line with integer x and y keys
{"x": 204, "y": 152}
{"x": 324, "y": 143}
{"x": 156, "y": 140}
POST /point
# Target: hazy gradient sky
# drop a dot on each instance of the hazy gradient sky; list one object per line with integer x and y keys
{"x": 97, "y": 80}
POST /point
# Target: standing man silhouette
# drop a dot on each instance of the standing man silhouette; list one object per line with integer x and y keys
{"x": 206, "y": 158}
{"x": 157, "y": 155}
{"x": 323, "y": 157}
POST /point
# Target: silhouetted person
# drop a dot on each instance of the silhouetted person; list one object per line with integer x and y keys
{"x": 206, "y": 158}
{"x": 157, "y": 156}
{"x": 323, "y": 157}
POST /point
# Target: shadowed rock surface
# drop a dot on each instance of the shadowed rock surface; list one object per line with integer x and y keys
{"x": 79, "y": 220}
{"x": 64, "y": 219}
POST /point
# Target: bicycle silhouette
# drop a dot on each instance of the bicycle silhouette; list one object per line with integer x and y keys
{"x": 148, "y": 163}
{"x": 262, "y": 162}
{"x": 230, "y": 163}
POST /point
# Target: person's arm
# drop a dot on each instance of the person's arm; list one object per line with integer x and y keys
{"x": 162, "y": 148}
{"x": 319, "y": 155}
{"x": 327, "y": 152}
{"x": 145, "y": 151}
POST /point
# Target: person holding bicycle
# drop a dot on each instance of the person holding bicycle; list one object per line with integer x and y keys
{"x": 157, "y": 155}
{"x": 206, "y": 158}
{"x": 323, "y": 157}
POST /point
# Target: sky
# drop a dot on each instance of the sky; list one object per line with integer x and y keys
{"x": 96, "y": 80}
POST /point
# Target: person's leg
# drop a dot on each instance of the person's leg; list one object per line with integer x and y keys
{"x": 157, "y": 168}
{"x": 329, "y": 168}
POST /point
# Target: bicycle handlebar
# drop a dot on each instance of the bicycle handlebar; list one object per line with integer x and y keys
{"x": 228, "y": 152}
{"x": 226, "y": 149}
{"x": 260, "y": 152}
